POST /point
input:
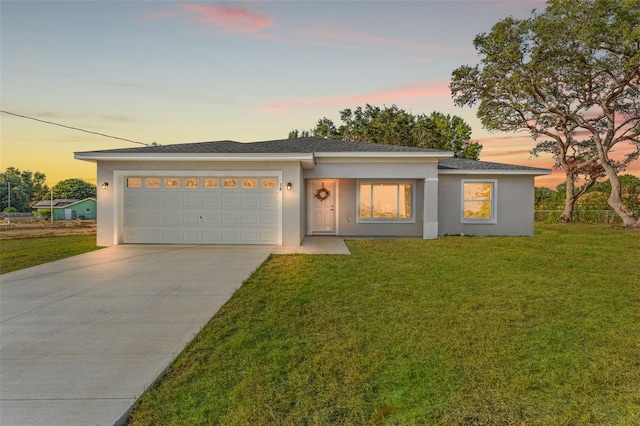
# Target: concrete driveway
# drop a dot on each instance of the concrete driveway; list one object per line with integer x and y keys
{"x": 82, "y": 337}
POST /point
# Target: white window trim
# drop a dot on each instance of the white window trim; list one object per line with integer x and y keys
{"x": 494, "y": 202}
{"x": 411, "y": 219}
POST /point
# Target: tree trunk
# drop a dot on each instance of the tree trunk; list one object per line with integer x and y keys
{"x": 615, "y": 198}
{"x": 569, "y": 200}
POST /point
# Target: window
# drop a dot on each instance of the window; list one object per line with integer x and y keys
{"x": 386, "y": 201}
{"x": 250, "y": 183}
{"x": 229, "y": 183}
{"x": 211, "y": 183}
{"x": 269, "y": 183}
{"x": 134, "y": 182}
{"x": 479, "y": 201}
{"x": 171, "y": 183}
{"x": 152, "y": 182}
{"x": 191, "y": 183}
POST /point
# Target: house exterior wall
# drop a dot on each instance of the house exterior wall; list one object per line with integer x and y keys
{"x": 111, "y": 201}
{"x": 514, "y": 209}
{"x": 80, "y": 208}
{"x": 347, "y": 216}
{"x": 348, "y": 171}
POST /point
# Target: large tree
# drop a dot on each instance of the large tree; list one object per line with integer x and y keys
{"x": 76, "y": 189}
{"x": 21, "y": 189}
{"x": 569, "y": 75}
{"x": 395, "y": 126}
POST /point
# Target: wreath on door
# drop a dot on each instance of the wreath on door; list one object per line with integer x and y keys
{"x": 322, "y": 193}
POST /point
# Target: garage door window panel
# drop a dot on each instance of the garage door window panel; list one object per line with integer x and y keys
{"x": 152, "y": 182}
{"x": 171, "y": 183}
{"x": 191, "y": 183}
{"x": 211, "y": 183}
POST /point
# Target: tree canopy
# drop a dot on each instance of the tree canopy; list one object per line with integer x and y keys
{"x": 570, "y": 76}
{"x": 395, "y": 126}
{"x": 21, "y": 189}
{"x": 74, "y": 189}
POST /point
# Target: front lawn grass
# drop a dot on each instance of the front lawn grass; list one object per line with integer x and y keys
{"x": 455, "y": 331}
{"x": 25, "y": 252}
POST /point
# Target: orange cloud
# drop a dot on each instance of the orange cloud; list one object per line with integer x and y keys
{"x": 230, "y": 20}
{"x": 423, "y": 90}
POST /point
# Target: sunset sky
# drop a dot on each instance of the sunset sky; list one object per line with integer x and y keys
{"x": 172, "y": 72}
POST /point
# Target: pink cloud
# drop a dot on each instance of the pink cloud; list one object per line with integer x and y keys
{"x": 230, "y": 20}
{"x": 423, "y": 90}
{"x": 244, "y": 21}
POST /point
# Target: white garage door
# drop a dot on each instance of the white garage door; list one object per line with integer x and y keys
{"x": 201, "y": 210}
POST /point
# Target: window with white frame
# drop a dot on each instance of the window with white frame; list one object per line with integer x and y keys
{"x": 479, "y": 201}
{"x": 385, "y": 201}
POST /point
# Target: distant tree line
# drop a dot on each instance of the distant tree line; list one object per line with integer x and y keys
{"x": 595, "y": 198}
{"x": 395, "y": 126}
{"x": 19, "y": 190}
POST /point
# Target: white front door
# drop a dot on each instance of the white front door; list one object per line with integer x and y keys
{"x": 322, "y": 207}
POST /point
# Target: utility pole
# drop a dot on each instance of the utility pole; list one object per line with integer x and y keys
{"x": 9, "y": 198}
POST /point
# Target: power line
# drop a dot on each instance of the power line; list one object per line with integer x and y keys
{"x": 72, "y": 128}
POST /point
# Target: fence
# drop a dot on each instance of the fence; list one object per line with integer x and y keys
{"x": 579, "y": 216}
{"x": 16, "y": 215}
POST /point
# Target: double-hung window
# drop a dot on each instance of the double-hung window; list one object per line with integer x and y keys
{"x": 382, "y": 201}
{"x": 479, "y": 201}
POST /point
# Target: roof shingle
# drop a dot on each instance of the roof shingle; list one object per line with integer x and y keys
{"x": 282, "y": 146}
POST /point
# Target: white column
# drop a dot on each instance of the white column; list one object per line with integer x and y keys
{"x": 430, "y": 209}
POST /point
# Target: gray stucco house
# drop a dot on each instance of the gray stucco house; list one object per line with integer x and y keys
{"x": 277, "y": 192}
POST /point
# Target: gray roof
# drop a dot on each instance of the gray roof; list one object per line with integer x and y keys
{"x": 282, "y": 146}
{"x": 464, "y": 164}
{"x": 56, "y": 202}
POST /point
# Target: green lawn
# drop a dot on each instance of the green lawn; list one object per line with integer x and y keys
{"x": 25, "y": 252}
{"x": 457, "y": 331}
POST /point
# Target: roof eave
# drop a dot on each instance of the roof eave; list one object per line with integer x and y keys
{"x": 532, "y": 172}
{"x": 437, "y": 155}
{"x": 306, "y": 159}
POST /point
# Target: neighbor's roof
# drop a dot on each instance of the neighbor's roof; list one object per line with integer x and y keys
{"x": 460, "y": 165}
{"x": 58, "y": 203}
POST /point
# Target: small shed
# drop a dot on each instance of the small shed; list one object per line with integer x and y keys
{"x": 69, "y": 209}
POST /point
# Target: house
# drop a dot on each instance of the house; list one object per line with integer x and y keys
{"x": 278, "y": 192}
{"x": 68, "y": 209}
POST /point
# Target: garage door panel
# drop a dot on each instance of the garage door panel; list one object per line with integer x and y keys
{"x": 250, "y": 235}
{"x": 203, "y": 213}
{"x": 210, "y": 218}
{"x": 194, "y": 200}
{"x": 172, "y": 200}
{"x": 211, "y": 200}
{"x": 171, "y": 235}
{"x": 210, "y": 235}
{"x": 250, "y": 201}
{"x": 270, "y": 201}
{"x": 192, "y": 217}
{"x": 191, "y": 235}
{"x": 268, "y": 219}
{"x": 230, "y": 201}
{"x": 229, "y": 218}
{"x": 171, "y": 218}
{"x": 249, "y": 219}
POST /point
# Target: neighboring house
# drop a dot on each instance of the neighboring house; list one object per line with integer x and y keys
{"x": 277, "y": 192}
{"x": 69, "y": 209}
